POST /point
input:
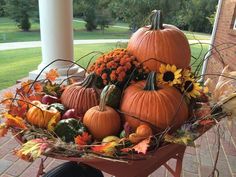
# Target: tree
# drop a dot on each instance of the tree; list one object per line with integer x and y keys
{"x": 136, "y": 12}
{"x": 21, "y": 11}
{"x": 103, "y": 19}
{"x": 197, "y": 13}
{"x": 211, "y": 18}
{"x": 103, "y": 14}
{"x": 94, "y": 12}
{"x": 2, "y": 11}
{"x": 185, "y": 14}
{"x": 88, "y": 9}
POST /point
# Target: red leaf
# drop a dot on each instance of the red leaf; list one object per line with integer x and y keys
{"x": 52, "y": 75}
{"x": 7, "y": 98}
{"x": 83, "y": 139}
{"x": 22, "y": 156}
{"x": 207, "y": 122}
{"x": 18, "y": 110}
{"x": 141, "y": 147}
{"x": 25, "y": 86}
{"x": 38, "y": 87}
{"x": 36, "y": 96}
{"x": 107, "y": 148}
{"x": 204, "y": 111}
{"x": 3, "y": 130}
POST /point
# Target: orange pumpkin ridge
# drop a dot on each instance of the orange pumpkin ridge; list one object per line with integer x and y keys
{"x": 162, "y": 107}
{"x": 163, "y": 42}
{"x": 81, "y": 96}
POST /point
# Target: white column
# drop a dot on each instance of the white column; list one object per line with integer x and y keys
{"x": 56, "y": 29}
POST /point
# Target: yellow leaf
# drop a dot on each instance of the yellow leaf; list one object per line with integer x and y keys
{"x": 185, "y": 140}
{"x": 14, "y": 121}
{"x": 52, "y": 123}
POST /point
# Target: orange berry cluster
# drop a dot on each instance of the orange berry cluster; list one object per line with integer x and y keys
{"x": 116, "y": 65}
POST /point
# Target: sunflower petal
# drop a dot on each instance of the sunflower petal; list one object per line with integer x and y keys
{"x": 162, "y": 68}
{"x": 173, "y": 68}
{"x": 168, "y": 67}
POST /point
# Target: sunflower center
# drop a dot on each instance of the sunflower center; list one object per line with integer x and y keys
{"x": 188, "y": 86}
{"x": 168, "y": 76}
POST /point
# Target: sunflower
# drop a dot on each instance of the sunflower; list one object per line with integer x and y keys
{"x": 169, "y": 74}
{"x": 186, "y": 74}
{"x": 191, "y": 88}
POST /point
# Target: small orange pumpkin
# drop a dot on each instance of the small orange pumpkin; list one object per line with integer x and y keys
{"x": 81, "y": 96}
{"x": 161, "y": 106}
{"x": 144, "y": 130}
{"x": 165, "y": 43}
{"x": 102, "y": 120}
{"x": 41, "y": 114}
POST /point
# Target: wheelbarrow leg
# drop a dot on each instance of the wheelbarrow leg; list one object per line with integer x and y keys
{"x": 178, "y": 168}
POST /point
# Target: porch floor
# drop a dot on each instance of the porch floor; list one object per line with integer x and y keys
{"x": 198, "y": 162}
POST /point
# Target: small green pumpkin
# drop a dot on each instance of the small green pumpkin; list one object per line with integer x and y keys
{"x": 68, "y": 129}
{"x": 114, "y": 98}
{"x": 60, "y": 107}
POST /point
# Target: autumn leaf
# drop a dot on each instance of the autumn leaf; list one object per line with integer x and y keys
{"x": 8, "y": 95}
{"x": 207, "y": 122}
{"x": 203, "y": 112}
{"x": 25, "y": 88}
{"x": 83, "y": 139}
{"x": 23, "y": 100}
{"x": 35, "y": 97}
{"x": 186, "y": 139}
{"x": 18, "y": 110}
{"x": 52, "y": 89}
{"x": 14, "y": 121}
{"x": 52, "y": 123}
{"x": 140, "y": 148}
{"x": 52, "y": 75}
{"x": 32, "y": 149}
{"x": 22, "y": 156}
{"x": 38, "y": 87}
{"x": 106, "y": 149}
{"x": 3, "y": 130}
{"x": 7, "y": 98}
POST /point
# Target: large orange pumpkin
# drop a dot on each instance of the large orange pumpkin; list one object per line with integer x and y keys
{"x": 162, "y": 42}
{"x": 162, "y": 106}
{"x": 41, "y": 114}
{"x": 102, "y": 120}
{"x": 81, "y": 96}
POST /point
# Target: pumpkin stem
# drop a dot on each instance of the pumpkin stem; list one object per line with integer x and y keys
{"x": 156, "y": 20}
{"x": 104, "y": 96}
{"x": 151, "y": 82}
{"x": 89, "y": 81}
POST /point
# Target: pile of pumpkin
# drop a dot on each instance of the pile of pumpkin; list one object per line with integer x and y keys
{"x": 121, "y": 91}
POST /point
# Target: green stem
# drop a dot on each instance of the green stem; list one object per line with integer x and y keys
{"x": 156, "y": 20}
{"x": 151, "y": 82}
{"x": 104, "y": 96}
{"x": 89, "y": 81}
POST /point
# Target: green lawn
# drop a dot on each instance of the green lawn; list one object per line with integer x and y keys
{"x": 198, "y": 52}
{"x": 197, "y": 36}
{"x": 10, "y": 33}
{"x": 16, "y": 64}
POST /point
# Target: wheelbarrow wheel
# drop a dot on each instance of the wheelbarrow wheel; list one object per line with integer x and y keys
{"x": 73, "y": 169}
